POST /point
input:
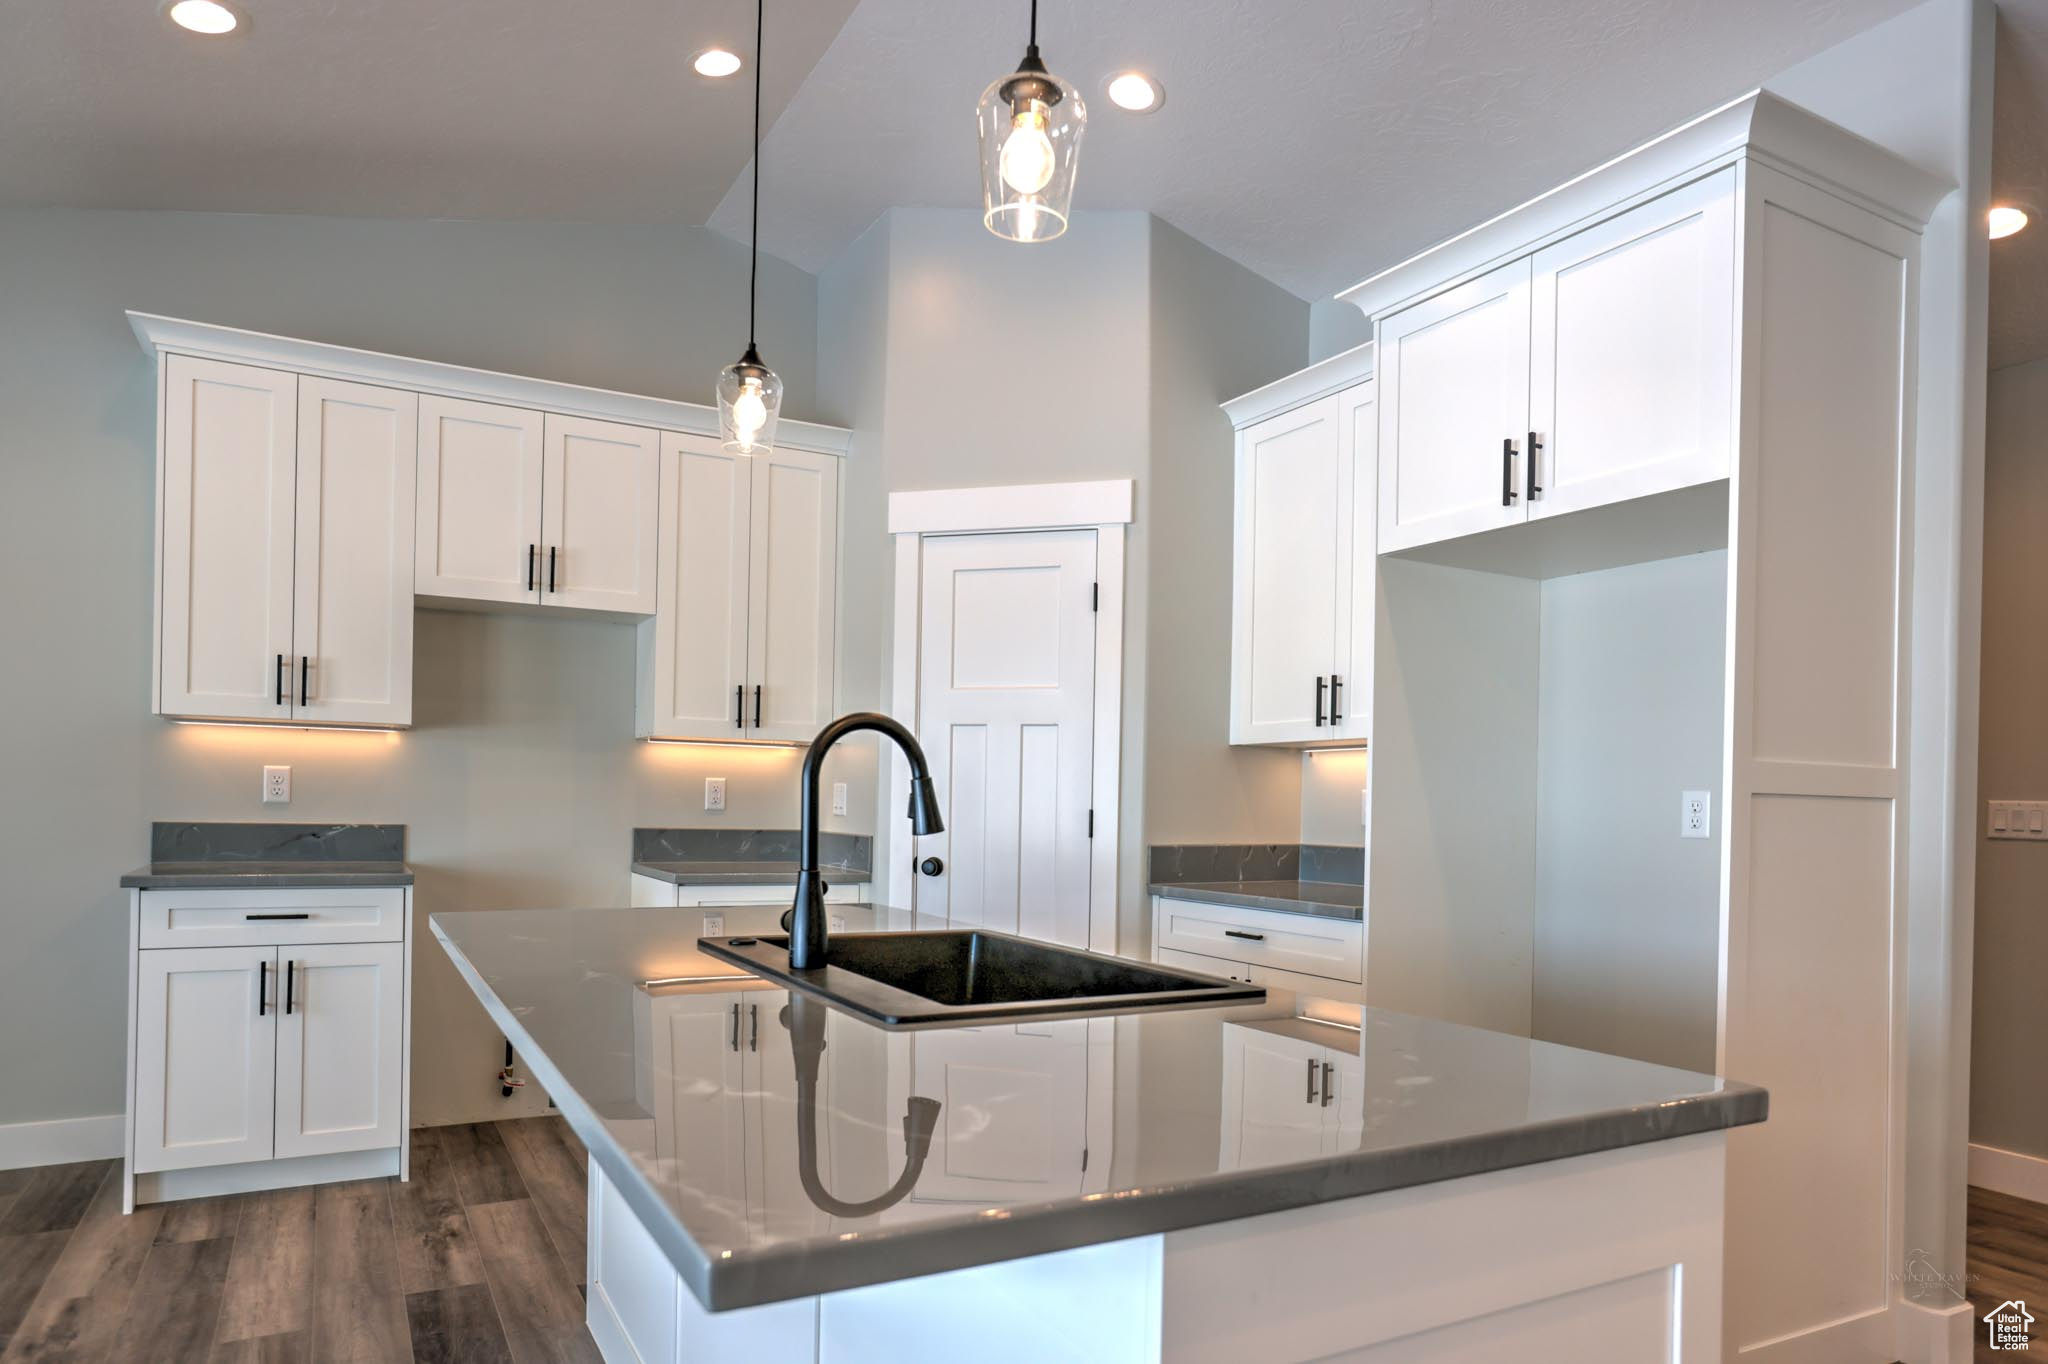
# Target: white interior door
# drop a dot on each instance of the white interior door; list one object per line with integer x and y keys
{"x": 205, "y": 1055}
{"x": 697, "y": 644}
{"x": 228, "y": 472}
{"x": 479, "y": 501}
{"x": 1272, "y": 1098}
{"x": 1453, "y": 375}
{"x": 352, "y": 585}
{"x": 1013, "y": 1115}
{"x": 793, "y": 584}
{"x": 1006, "y": 717}
{"x": 340, "y": 1042}
{"x": 1290, "y": 515}
{"x": 601, "y": 482}
{"x": 1633, "y": 354}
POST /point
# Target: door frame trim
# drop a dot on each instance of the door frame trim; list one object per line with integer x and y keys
{"x": 1106, "y": 508}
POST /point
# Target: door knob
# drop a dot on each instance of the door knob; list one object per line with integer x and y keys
{"x": 931, "y": 866}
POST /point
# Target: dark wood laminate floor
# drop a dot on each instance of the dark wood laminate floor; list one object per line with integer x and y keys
{"x": 2008, "y": 1259}
{"x": 478, "y": 1259}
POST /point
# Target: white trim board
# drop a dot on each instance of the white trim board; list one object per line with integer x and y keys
{"x": 183, "y": 337}
{"x": 1029, "y": 506}
{"x": 2009, "y": 1172}
{"x": 1320, "y": 380}
{"x": 61, "y": 1141}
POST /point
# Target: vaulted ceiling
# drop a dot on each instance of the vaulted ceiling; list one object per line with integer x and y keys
{"x": 1313, "y": 141}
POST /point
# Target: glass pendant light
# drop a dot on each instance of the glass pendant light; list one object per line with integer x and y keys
{"x": 1031, "y": 125}
{"x": 749, "y": 393}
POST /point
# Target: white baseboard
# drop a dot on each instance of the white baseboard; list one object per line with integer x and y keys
{"x": 2009, "y": 1172}
{"x": 24, "y": 1144}
{"x": 290, "y": 1172}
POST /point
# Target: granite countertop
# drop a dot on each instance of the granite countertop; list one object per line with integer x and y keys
{"x": 1323, "y": 899}
{"x": 1323, "y": 880}
{"x": 746, "y": 857}
{"x": 625, "y": 1023}
{"x": 185, "y": 856}
{"x": 742, "y": 873}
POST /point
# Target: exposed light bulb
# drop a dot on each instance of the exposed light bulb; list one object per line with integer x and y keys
{"x": 749, "y": 413}
{"x": 1027, "y": 158}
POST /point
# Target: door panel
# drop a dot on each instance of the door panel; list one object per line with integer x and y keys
{"x": 1006, "y": 715}
{"x": 1289, "y": 528}
{"x": 340, "y": 1036}
{"x": 1633, "y": 351}
{"x": 1269, "y": 1113}
{"x": 697, "y": 642}
{"x": 1453, "y": 384}
{"x": 601, "y": 482}
{"x": 352, "y": 614}
{"x": 229, "y": 468}
{"x": 205, "y": 1056}
{"x": 792, "y": 590}
{"x": 479, "y": 501}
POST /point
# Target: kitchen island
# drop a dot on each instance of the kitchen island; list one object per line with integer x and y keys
{"x": 772, "y": 1178}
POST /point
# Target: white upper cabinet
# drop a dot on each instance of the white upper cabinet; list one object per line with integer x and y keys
{"x": 479, "y": 501}
{"x": 1632, "y": 353}
{"x": 792, "y": 592}
{"x": 599, "y": 486}
{"x": 227, "y": 473}
{"x": 352, "y": 583}
{"x": 1454, "y": 404}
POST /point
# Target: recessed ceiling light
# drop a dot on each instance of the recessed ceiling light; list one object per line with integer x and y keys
{"x": 209, "y": 17}
{"x": 1135, "y": 91}
{"x": 716, "y": 62}
{"x": 2006, "y": 220}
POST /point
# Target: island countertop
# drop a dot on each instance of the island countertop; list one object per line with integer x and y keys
{"x": 680, "y": 1075}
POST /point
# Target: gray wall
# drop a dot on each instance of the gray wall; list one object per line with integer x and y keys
{"x": 1628, "y": 914}
{"x": 521, "y": 781}
{"x": 2008, "y": 1105}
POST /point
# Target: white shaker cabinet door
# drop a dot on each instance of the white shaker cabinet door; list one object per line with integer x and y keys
{"x": 205, "y": 1056}
{"x": 340, "y": 1040}
{"x": 1290, "y": 523}
{"x": 694, "y": 653}
{"x": 226, "y": 539}
{"x": 1453, "y": 374}
{"x": 1357, "y": 561}
{"x": 697, "y": 1095}
{"x": 1272, "y": 1098}
{"x": 479, "y": 501}
{"x": 793, "y": 586}
{"x": 1633, "y": 352}
{"x": 352, "y": 588}
{"x": 600, "y": 485}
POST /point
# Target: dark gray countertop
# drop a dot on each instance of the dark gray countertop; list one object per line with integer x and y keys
{"x": 264, "y": 875}
{"x": 613, "y": 1013}
{"x": 1323, "y": 899}
{"x": 742, "y": 873}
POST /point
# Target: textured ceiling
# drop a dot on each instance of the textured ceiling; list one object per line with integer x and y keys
{"x": 391, "y": 108}
{"x": 2019, "y": 175}
{"x": 1314, "y": 141}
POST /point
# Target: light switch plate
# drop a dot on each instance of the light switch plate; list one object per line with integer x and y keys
{"x": 1695, "y": 814}
{"x": 2023, "y": 819}
{"x": 838, "y": 797}
{"x": 277, "y": 786}
{"x": 714, "y": 793}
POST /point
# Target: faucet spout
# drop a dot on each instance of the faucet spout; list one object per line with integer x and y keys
{"x": 807, "y": 915}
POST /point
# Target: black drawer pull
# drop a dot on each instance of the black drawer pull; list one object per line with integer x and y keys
{"x": 254, "y": 917}
{"x": 262, "y": 987}
{"x": 1320, "y": 685}
{"x": 757, "y": 705}
{"x": 1535, "y": 448}
{"x": 551, "y": 569}
{"x": 739, "y": 706}
{"x": 1336, "y": 698}
{"x": 531, "y": 550}
{"x": 1248, "y": 937}
{"x": 1507, "y": 471}
{"x": 290, "y": 971}
{"x": 280, "y": 679}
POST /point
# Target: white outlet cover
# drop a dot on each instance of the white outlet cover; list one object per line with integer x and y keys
{"x": 714, "y": 793}
{"x": 714, "y": 925}
{"x": 1695, "y": 814}
{"x": 277, "y": 786}
{"x": 838, "y": 797}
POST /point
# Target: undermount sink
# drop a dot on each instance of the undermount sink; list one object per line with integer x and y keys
{"x": 973, "y": 976}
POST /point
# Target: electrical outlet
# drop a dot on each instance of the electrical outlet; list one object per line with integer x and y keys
{"x": 838, "y": 924}
{"x": 714, "y": 793}
{"x": 1696, "y": 814}
{"x": 277, "y": 786}
{"x": 714, "y": 925}
{"x": 2026, "y": 819}
{"x": 838, "y": 797}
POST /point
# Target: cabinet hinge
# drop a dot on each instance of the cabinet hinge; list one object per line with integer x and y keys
{"x": 1095, "y": 596}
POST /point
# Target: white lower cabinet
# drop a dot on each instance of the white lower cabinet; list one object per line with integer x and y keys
{"x": 1306, "y": 953}
{"x": 1292, "y": 1090}
{"x": 250, "y": 1056}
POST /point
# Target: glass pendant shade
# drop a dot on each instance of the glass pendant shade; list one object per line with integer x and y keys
{"x": 749, "y": 401}
{"x": 1031, "y": 124}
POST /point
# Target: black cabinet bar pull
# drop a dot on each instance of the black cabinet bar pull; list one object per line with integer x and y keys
{"x": 757, "y": 705}
{"x": 1320, "y": 684}
{"x": 1507, "y": 471}
{"x": 753, "y": 1027}
{"x": 1336, "y": 698}
{"x": 1535, "y": 447}
{"x": 739, "y": 706}
{"x": 532, "y": 551}
{"x": 254, "y": 918}
{"x": 1311, "y": 1079}
{"x": 303, "y": 696}
{"x": 1248, "y": 937}
{"x": 551, "y": 569}
{"x": 262, "y": 987}
{"x": 1327, "y": 1095}
{"x": 290, "y": 971}
{"x": 280, "y": 679}
{"x": 735, "y": 1027}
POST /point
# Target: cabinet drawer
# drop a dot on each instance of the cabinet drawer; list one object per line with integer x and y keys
{"x": 241, "y": 918}
{"x": 1333, "y": 948}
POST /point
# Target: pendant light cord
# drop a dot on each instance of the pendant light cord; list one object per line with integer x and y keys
{"x": 754, "y": 232}
{"x": 1034, "y": 23}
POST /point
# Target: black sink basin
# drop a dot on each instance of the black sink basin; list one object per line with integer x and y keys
{"x": 922, "y": 980}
